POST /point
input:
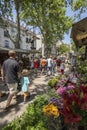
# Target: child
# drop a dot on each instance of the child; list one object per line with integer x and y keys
{"x": 25, "y": 83}
{"x": 62, "y": 67}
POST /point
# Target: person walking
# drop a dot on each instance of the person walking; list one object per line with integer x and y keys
{"x": 9, "y": 73}
{"x": 25, "y": 83}
{"x": 43, "y": 65}
{"x": 54, "y": 67}
{"x": 36, "y": 65}
{"x": 49, "y": 65}
{"x": 62, "y": 67}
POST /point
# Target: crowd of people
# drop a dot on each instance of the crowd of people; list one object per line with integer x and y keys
{"x": 48, "y": 66}
{"x": 13, "y": 72}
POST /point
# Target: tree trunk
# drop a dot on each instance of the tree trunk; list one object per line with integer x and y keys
{"x": 18, "y": 24}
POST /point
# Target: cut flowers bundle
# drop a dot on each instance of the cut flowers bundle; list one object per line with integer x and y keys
{"x": 71, "y": 104}
{"x": 74, "y": 104}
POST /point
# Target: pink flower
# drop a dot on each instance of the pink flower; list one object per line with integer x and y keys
{"x": 61, "y": 90}
{"x": 70, "y": 87}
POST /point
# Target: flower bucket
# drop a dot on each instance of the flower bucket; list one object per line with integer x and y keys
{"x": 81, "y": 128}
{"x": 73, "y": 128}
{"x": 77, "y": 128}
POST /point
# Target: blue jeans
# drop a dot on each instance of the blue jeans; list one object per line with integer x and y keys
{"x": 49, "y": 69}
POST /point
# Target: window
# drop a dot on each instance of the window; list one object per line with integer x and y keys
{"x": 33, "y": 45}
{"x": 6, "y": 44}
{"x": 6, "y": 33}
{"x": 28, "y": 40}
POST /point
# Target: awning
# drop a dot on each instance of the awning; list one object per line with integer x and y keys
{"x": 4, "y": 49}
{"x": 17, "y": 50}
{"x": 33, "y": 51}
{"x": 79, "y": 32}
{"x": 21, "y": 50}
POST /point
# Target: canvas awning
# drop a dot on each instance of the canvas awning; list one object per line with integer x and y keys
{"x": 79, "y": 32}
{"x": 17, "y": 50}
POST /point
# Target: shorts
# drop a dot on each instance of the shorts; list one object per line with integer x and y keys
{"x": 12, "y": 88}
{"x": 26, "y": 94}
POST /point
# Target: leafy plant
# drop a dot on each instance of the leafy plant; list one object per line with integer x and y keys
{"x": 53, "y": 82}
{"x": 33, "y": 118}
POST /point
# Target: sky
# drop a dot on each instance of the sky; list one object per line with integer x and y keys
{"x": 70, "y": 13}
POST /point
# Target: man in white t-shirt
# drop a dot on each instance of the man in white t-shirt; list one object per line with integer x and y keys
{"x": 49, "y": 65}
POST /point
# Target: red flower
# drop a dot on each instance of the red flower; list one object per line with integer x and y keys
{"x": 72, "y": 118}
{"x": 74, "y": 98}
{"x": 83, "y": 89}
{"x": 75, "y": 105}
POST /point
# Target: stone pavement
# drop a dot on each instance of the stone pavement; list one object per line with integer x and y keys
{"x": 37, "y": 87}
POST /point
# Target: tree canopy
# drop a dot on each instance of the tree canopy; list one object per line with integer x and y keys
{"x": 48, "y": 15}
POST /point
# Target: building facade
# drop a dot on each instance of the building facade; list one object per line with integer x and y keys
{"x": 28, "y": 40}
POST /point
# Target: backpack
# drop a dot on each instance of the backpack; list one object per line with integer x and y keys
{"x": 43, "y": 62}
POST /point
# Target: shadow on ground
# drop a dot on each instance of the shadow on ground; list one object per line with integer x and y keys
{"x": 17, "y": 104}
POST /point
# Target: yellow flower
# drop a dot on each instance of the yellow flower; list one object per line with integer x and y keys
{"x": 55, "y": 111}
{"x": 50, "y": 109}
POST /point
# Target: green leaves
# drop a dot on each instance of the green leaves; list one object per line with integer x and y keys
{"x": 49, "y": 16}
{"x": 64, "y": 48}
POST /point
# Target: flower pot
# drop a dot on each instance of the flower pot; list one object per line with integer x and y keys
{"x": 77, "y": 128}
{"x": 71, "y": 128}
{"x": 81, "y": 128}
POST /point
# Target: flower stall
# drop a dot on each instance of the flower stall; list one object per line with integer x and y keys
{"x": 71, "y": 104}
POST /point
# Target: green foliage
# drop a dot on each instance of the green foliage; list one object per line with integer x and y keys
{"x": 82, "y": 68}
{"x": 52, "y": 82}
{"x": 7, "y": 9}
{"x": 73, "y": 47}
{"x": 78, "y": 4}
{"x": 79, "y": 7}
{"x": 33, "y": 118}
{"x": 49, "y": 16}
{"x": 63, "y": 49}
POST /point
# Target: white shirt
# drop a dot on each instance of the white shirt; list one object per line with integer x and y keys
{"x": 49, "y": 62}
{"x": 62, "y": 66}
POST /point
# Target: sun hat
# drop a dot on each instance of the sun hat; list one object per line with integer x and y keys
{"x": 25, "y": 72}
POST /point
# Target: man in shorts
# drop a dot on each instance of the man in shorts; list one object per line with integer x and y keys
{"x": 9, "y": 73}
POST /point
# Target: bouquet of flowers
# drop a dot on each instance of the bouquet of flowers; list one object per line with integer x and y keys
{"x": 51, "y": 110}
{"x": 74, "y": 108}
{"x": 52, "y": 114}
